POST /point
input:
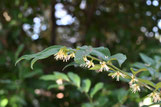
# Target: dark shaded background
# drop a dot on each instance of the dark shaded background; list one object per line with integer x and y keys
{"x": 29, "y": 26}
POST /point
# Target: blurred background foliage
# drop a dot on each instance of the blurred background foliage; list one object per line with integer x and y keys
{"x": 29, "y": 26}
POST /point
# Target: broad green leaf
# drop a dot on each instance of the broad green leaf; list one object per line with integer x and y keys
{"x": 147, "y": 82}
{"x": 96, "y": 67}
{"x": 40, "y": 55}
{"x": 96, "y": 88}
{"x": 101, "y": 52}
{"x": 83, "y": 51}
{"x": 86, "y": 85}
{"x": 75, "y": 78}
{"x": 48, "y": 77}
{"x": 146, "y": 59}
{"x": 158, "y": 85}
{"x": 59, "y": 75}
{"x": 120, "y": 58}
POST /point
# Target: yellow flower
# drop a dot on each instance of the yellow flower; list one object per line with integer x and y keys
{"x": 72, "y": 55}
{"x": 118, "y": 74}
{"x": 133, "y": 80}
{"x": 103, "y": 67}
{"x": 85, "y": 58}
{"x": 62, "y": 55}
{"x": 66, "y": 57}
{"x": 135, "y": 88}
{"x": 155, "y": 96}
{"x": 59, "y": 55}
{"x": 89, "y": 64}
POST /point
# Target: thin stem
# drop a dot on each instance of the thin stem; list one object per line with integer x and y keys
{"x": 89, "y": 98}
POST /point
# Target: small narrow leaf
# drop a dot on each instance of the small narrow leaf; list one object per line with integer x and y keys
{"x": 96, "y": 67}
{"x": 96, "y": 88}
{"x": 86, "y": 85}
{"x": 158, "y": 85}
{"x": 147, "y": 82}
{"x": 75, "y": 78}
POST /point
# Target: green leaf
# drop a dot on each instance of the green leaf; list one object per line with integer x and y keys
{"x": 48, "y": 77}
{"x": 139, "y": 65}
{"x": 158, "y": 85}
{"x": 75, "y": 78}
{"x": 40, "y": 55}
{"x": 120, "y": 58}
{"x": 86, "y": 85}
{"x": 96, "y": 88}
{"x": 96, "y": 67}
{"x": 147, "y": 82}
{"x": 101, "y": 52}
{"x": 84, "y": 51}
{"x": 59, "y": 75}
{"x": 146, "y": 59}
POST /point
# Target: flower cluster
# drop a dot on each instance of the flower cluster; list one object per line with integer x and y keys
{"x": 63, "y": 55}
{"x": 155, "y": 96}
{"x": 133, "y": 84}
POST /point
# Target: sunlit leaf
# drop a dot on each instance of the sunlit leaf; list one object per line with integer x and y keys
{"x": 96, "y": 88}
{"x": 86, "y": 85}
{"x": 75, "y": 78}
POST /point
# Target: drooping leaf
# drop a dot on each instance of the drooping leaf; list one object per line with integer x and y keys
{"x": 40, "y": 55}
{"x": 86, "y": 85}
{"x": 75, "y": 78}
{"x": 96, "y": 88}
